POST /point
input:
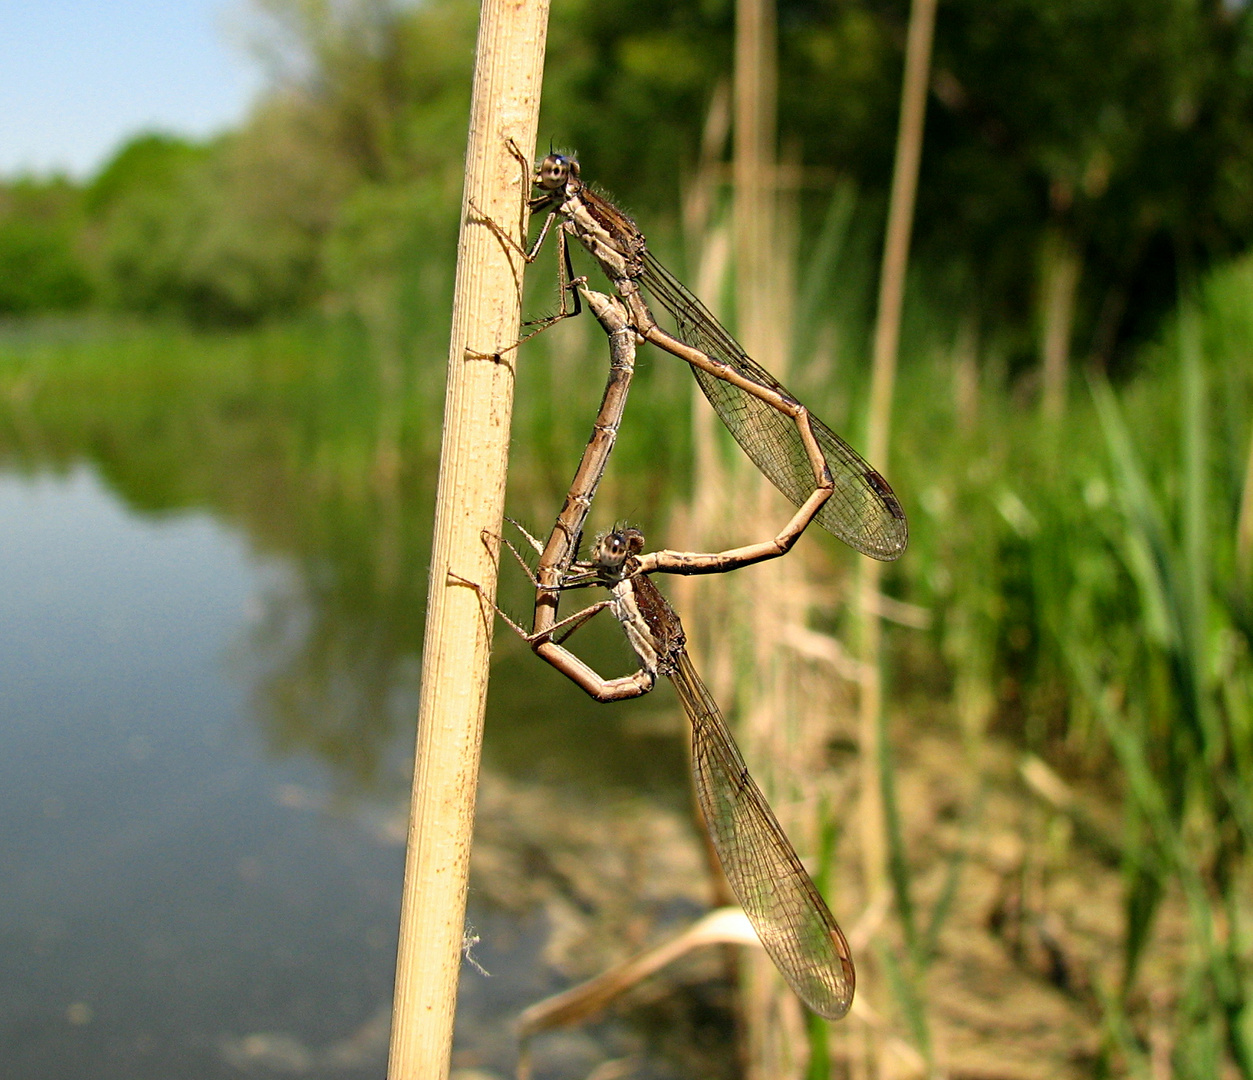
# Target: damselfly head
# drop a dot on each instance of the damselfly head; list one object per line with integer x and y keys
{"x": 616, "y": 546}
{"x": 554, "y": 171}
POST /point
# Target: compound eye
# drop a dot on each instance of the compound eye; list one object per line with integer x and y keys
{"x": 614, "y": 549}
{"x": 554, "y": 171}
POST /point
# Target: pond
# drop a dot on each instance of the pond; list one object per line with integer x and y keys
{"x": 204, "y": 768}
{"x": 172, "y": 886}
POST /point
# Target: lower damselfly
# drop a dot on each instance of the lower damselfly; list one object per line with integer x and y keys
{"x": 766, "y": 875}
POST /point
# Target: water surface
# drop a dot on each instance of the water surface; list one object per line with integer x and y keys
{"x": 171, "y": 888}
{"x": 203, "y": 782}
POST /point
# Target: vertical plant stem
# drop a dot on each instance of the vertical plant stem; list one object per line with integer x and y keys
{"x": 769, "y": 1048}
{"x": 1244, "y": 527}
{"x": 1061, "y": 271}
{"x": 1196, "y": 536}
{"x": 756, "y": 101}
{"x": 875, "y": 776}
{"x": 469, "y": 501}
{"x": 883, "y": 377}
{"x": 707, "y": 242}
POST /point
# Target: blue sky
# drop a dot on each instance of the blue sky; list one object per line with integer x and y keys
{"x": 78, "y": 77}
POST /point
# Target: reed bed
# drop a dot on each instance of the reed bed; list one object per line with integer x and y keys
{"x": 1069, "y": 700}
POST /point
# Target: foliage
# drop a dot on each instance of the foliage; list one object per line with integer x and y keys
{"x": 1122, "y": 122}
{"x": 1107, "y": 628}
{"x": 41, "y": 268}
{"x": 226, "y": 233}
{"x": 267, "y": 221}
{"x": 1047, "y": 118}
{"x": 388, "y": 82}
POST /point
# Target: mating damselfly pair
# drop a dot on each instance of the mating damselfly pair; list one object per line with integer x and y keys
{"x": 817, "y": 470}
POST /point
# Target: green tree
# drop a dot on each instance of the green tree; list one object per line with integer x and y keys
{"x": 1075, "y": 148}
{"x": 229, "y": 232}
{"x": 41, "y": 267}
{"x": 139, "y": 205}
{"x": 1120, "y": 126}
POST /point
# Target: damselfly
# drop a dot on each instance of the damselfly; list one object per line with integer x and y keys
{"x": 783, "y": 904}
{"x": 798, "y": 453}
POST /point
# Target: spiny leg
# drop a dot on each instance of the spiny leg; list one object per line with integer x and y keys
{"x": 571, "y": 622}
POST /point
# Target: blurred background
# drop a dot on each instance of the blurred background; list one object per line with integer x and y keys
{"x": 227, "y": 245}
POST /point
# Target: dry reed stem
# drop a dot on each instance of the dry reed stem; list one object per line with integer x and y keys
{"x": 469, "y": 500}
{"x": 883, "y": 377}
{"x": 1061, "y": 284}
{"x": 770, "y": 716}
{"x": 722, "y": 926}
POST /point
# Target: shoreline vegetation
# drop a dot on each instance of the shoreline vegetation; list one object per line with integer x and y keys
{"x": 1056, "y": 587}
